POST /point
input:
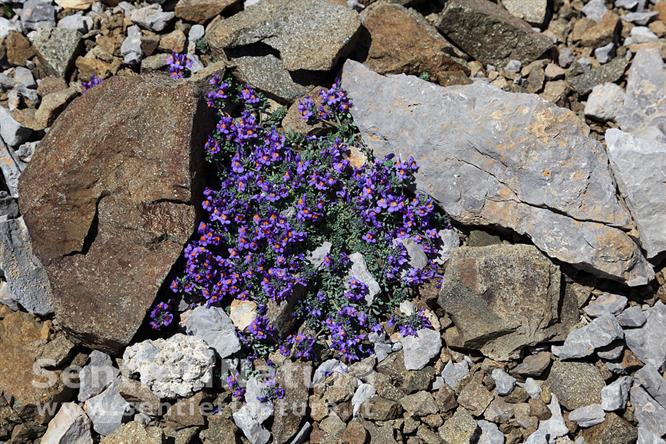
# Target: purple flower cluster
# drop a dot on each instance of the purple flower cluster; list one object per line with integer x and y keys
{"x": 160, "y": 316}
{"x": 237, "y": 391}
{"x": 177, "y": 64}
{"x": 93, "y": 82}
{"x": 409, "y": 325}
{"x": 277, "y": 202}
{"x": 271, "y": 391}
{"x": 334, "y": 102}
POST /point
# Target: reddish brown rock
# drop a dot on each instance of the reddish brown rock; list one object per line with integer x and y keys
{"x": 108, "y": 200}
{"x": 29, "y": 394}
{"x": 418, "y": 48}
{"x": 19, "y": 48}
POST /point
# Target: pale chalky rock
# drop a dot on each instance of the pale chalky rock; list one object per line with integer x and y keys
{"x": 151, "y": 17}
{"x": 639, "y": 166}
{"x": 595, "y": 10}
{"x": 450, "y": 241}
{"x": 490, "y": 433}
{"x": 588, "y": 416}
{"x": 640, "y": 34}
{"x": 585, "y": 340}
{"x": 107, "y": 410}
{"x": 75, "y": 4}
{"x": 605, "y": 101}
{"x": 97, "y": 375}
{"x": 532, "y": 11}
{"x": 649, "y": 342}
{"x": 419, "y": 350}
{"x": 37, "y": 14}
{"x": 250, "y": 417}
{"x": 10, "y": 170}
{"x": 69, "y": 426}
{"x": 213, "y": 326}
{"x": 130, "y": 49}
{"x": 362, "y": 394}
{"x": 359, "y": 270}
{"x": 504, "y": 383}
{"x": 27, "y": 282}
{"x": 615, "y": 395}
{"x": 646, "y": 436}
{"x": 640, "y": 18}
{"x": 12, "y": 132}
{"x": 454, "y": 373}
{"x": 644, "y": 110}
{"x": 490, "y": 157}
{"x": 176, "y": 367}
{"x": 308, "y": 34}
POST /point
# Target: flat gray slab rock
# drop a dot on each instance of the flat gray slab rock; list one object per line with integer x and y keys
{"x": 649, "y": 413}
{"x": 649, "y": 341}
{"x": 639, "y": 166}
{"x": 585, "y": 340}
{"x": 644, "y": 111}
{"x": 27, "y": 282}
{"x": 309, "y": 34}
{"x": 512, "y": 160}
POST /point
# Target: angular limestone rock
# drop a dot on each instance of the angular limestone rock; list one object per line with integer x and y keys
{"x": 27, "y": 281}
{"x": 512, "y": 160}
{"x": 639, "y": 166}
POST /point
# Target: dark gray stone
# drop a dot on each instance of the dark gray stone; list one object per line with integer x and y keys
{"x": 489, "y": 33}
{"x": 57, "y": 48}
{"x": 309, "y": 34}
{"x": 268, "y": 74}
{"x": 576, "y": 384}
{"x": 505, "y": 297}
{"x": 584, "y": 79}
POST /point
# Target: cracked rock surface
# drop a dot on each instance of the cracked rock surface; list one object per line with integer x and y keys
{"x": 108, "y": 202}
{"x": 508, "y": 160}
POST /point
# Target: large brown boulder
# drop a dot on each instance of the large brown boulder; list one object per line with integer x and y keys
{"x": 109, "y": 201}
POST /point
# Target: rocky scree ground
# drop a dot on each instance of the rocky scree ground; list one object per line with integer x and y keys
{"x": 539, "y": 129}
